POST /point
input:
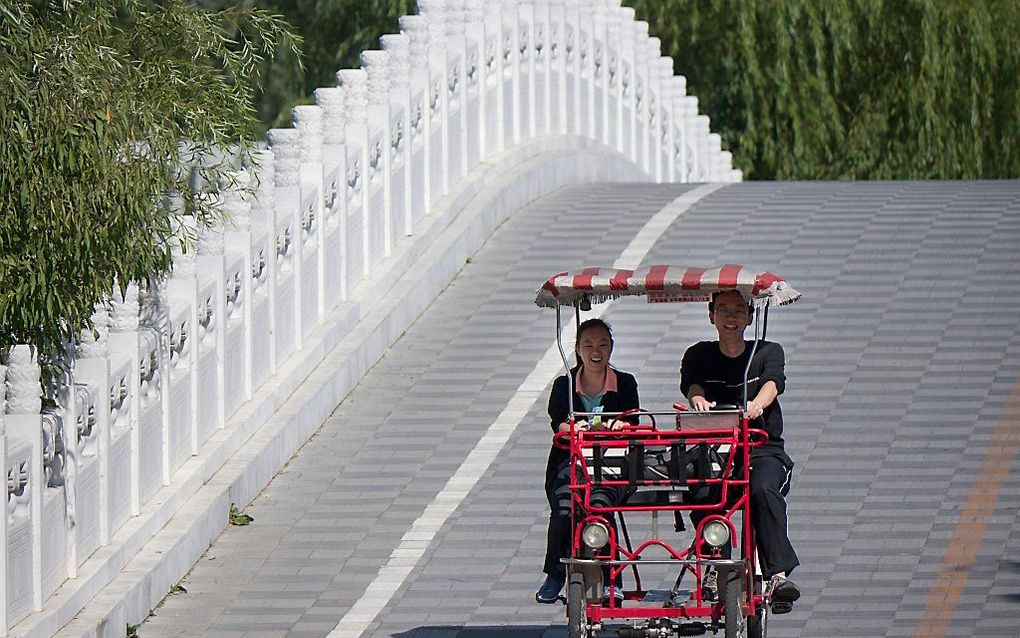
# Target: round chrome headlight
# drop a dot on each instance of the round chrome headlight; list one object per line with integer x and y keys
{"x": 715, "y": 533}
{"x": 595, "y": 535}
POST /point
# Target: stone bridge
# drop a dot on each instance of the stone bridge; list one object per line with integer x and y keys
{"x": 357, "y": 362}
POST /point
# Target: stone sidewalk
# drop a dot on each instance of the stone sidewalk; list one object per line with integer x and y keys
{"x": 901, "y": 361}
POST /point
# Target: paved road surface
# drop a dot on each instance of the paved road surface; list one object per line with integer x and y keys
{"x": 902, "y": 410}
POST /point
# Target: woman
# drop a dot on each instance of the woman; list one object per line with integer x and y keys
{"x": 598, "y": 387}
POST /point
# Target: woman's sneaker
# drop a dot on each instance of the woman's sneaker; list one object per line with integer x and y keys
{"x": 710, "y": 585}
{"x": 617, "y": 594}
{"x": 784, "y": 594}
{"x": 549, "y": 592}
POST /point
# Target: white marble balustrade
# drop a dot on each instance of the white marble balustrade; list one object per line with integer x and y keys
{"x": 309, "y": 221}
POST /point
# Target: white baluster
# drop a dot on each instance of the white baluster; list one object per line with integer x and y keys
{"x": 238, "y": 308}
{"x": 376, "y": 66}
{"x": 439, "y": 93}
{"x": 456, "y": 87}
{"x": 355, "y": 85}
{"x": 477, "y": 74}
{"x": 24, "y": 429}
{"x": 334, "y": 222}
{"x": 422, "y": 152}
{"x": 513, "y": 105}
{"x": 542, "y": 54}
{"x": 493, "y": 89}
{"x": 307, "y": 120}
{"x": 285, "y": 144}
{"x": 399, "y": 100}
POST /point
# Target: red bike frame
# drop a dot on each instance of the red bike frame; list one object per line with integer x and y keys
{"x": 733, "y": 489}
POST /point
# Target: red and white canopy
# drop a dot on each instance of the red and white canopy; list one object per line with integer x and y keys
{"x": 665, "y": 283}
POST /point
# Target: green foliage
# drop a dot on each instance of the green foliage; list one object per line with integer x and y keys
{"x": 852, "y": 89}
{"x": 334, "y": 33}
{"x": 236, "y": 517}
{"x": 105, "y": 104}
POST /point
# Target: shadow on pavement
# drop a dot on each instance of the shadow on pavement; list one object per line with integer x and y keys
{"x": 483, "y": 631}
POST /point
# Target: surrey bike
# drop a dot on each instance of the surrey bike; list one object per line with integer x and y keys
{"x": 699, "y": 463}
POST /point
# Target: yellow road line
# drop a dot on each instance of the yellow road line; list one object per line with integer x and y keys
{"x": 969, "y": 532}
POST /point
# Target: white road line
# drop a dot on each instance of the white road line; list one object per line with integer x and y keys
{"x": 423, "y": 531}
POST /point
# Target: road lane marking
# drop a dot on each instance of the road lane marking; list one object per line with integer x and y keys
{"x": 969, "y": 533}
{"x": 417, "y": 539}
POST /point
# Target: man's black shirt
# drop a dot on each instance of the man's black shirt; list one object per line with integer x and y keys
{"x": 722, "y": 378}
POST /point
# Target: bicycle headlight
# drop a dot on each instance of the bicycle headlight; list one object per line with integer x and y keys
{"x": 715, "y": 533}
{"x": 595, "y": 535}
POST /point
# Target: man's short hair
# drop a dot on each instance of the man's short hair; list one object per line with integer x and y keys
{"x": 711, "y": 303}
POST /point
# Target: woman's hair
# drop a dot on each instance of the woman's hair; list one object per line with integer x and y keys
{"x": 588, "y": 325}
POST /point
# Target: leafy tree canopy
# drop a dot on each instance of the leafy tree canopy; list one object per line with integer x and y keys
{"x": 106, "y": 106}
{"x": 853, "y": 89}
{"x": 334, "y": 34}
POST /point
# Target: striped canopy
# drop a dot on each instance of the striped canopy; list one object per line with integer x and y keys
{"x": 665, "y": 283}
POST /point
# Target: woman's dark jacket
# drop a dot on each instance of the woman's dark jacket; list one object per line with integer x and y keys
{"x": 625, "y": 398}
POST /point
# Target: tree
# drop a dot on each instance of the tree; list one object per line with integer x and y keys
{"x": 107, "y": 106}
{"x": 334, "y": 33}
{"x": 852, "y": 89}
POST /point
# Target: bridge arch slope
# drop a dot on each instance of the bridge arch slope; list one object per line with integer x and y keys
{"x": 901, "y": 410}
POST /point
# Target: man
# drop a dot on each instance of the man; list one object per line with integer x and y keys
{"x": 712, "y": 373}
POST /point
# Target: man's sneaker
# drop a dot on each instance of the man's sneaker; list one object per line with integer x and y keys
{"x": 617, "y": 594}
{"x": 710, "y": 585}
{"x": 784, "y": 594}
{"x": 549, "y": 592}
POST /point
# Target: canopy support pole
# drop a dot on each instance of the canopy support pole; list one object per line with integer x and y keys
{"x": 566, "y": 364}
{"x": 754, "y": 348}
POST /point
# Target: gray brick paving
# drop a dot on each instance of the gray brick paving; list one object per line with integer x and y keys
{"x": 900, "y": 359}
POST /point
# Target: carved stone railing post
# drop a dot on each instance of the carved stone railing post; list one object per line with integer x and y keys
{"x": 514, "y": 103}
{"x": 211, "y": 331}
{"x": 493, "y": 90}
{"x": 439, "y": 97}
{"x": 379, "y": 182}
{"x": 642, "y": 99}
{"x": 92, "y": 369}
{"x": 456, "y": 89}
{"x": 628, "y": 80}
{"x": 678, "y": 153}
{"x": 354, "y": 83}
{"x": 664, "y": 146}
{"x": 91, "y": 437}
{"x": 238, "y": 310}
{"x": 422, "y": 152}
{"x": 473, "y": 94}
{"x": 559, "y": 66}
{"x": 653, "y": 139}
{"x": 307, "y": 120}
{"x": 580, "y": 23}
{"x": 334, "y": 208}
{"x": 605, "y": 73}
{"x": 24, "y": 435}
{"x": 526, "y": 58}
{"x": 702, "y": 124}
{"x": 285, "y": 144}
{"x": 182, "y": 353}
{"x": 263, "y": 265}
{"x": 542, "y": 55}
{"x": 399, "y": 102}
{"x": 145, "y": 404}
{"x": 691, "y": 139}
